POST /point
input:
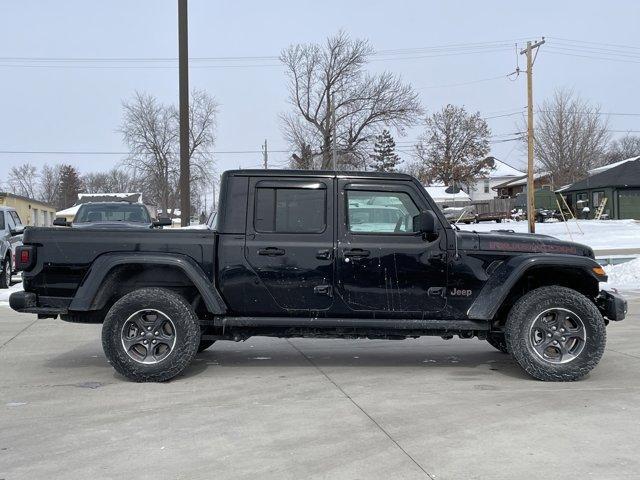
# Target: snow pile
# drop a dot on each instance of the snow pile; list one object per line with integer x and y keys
{"x": 598, "y": 234}
{"x": 5, "y": 292}
{"x": 624, "y": 276}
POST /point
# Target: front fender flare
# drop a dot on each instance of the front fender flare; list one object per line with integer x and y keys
{"x": 84, "y": 299}
{"x": 500, "y": 283}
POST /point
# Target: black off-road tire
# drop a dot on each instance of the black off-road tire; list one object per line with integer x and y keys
{"x": 519, "y": 326}
{"x": 497, "y": 341}
{"x": 5, "y": 273}
{"x": 180, "y": 313}
{"x": 204, "y": 344}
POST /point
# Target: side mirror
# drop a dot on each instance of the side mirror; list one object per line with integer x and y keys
{"x": 162, "y": 222}
{"x": 17, "y": 231}
{"x": 425, "y": 223}
{"x": 61, "y": 222}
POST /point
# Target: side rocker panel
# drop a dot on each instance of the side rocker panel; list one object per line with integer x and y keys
{"x": 501, "y": 282}
{"x": 86, "y": 293}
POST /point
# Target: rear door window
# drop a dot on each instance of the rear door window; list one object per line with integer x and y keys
{"x": 290, "y": 210}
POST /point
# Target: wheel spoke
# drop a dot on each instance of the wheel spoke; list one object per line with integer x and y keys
{"x": 131, "y": 341}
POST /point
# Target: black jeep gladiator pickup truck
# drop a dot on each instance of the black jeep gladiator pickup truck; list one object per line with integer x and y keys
{"x": 320, "y": 254}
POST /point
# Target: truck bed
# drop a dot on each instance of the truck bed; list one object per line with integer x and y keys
{"x": 70, "y": 252}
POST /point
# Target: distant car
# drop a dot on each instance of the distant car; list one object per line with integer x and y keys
{"x": 11, "y": 229}
{"x": 112, "y": 214}
{"x": 460, "y": 214}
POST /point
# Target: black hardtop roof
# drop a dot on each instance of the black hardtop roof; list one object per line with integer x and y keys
{"x": 318, "y": 173}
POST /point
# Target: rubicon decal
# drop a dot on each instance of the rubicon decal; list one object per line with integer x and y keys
{"x": 537, "y": 247}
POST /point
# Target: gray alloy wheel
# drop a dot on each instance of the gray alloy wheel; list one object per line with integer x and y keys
{"x": 148, "y": 336}
{"x": 557, "y": 335}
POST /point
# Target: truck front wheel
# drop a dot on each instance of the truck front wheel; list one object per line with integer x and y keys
{"x": 150, "y": 335}
{"x": 555, "y": 334}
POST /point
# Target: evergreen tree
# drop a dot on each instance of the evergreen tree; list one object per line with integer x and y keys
{"x": 384, "y": 158}
{"x": 69, "y": 187}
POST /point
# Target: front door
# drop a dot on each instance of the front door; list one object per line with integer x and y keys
{"x": 290, "y": 242}
{"x": 382, "y": 265}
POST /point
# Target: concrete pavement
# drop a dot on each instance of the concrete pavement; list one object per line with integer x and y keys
{"x": 291, "y": 409}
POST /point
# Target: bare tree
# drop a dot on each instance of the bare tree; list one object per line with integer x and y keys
{"x": 113, "y": 181}
{"x": 151, "y": 131}
{"x": 623, "y": 148}
{"x": 202, "y": 123}
{"x": 23, "y": 180}
{"x": 454, "y": 147}
{"x": 49, "y": 183}
{"x": 148, "y": 130}
{"x": 364, "y": 104}
{"x": 571, "y": 137}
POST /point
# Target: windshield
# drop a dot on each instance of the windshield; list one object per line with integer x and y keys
{"x": 125, "y": 212}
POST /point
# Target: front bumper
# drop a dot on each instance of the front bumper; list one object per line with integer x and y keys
{"x": 612, "y": 305}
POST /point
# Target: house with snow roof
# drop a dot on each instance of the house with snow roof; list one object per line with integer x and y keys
{"x": 484, "y": 187}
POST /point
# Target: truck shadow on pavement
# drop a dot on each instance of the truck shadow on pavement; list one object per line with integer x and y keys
{"x": 457, "y": 365}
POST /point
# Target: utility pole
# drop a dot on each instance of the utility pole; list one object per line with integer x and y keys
{"x": 183, "y": 73}
{"x": 531, "y": 204}
{"x": 334, "y": 146}
{"x": 265, "y": 154}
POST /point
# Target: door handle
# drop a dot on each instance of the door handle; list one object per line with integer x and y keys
{"x": 324, "y": 254}
{"x": 323, "y": 290}
{"x": 356, "y": 253}
{"x": 271, "y": 251}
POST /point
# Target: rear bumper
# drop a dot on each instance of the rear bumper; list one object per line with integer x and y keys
{"x": 612, "y": 305}
{"x": 29, "y": 302}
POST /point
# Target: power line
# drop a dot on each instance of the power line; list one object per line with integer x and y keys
{"x": 595, "y": 43}
{"x": 554, "y": 51}
{"x": 464, "y": 83}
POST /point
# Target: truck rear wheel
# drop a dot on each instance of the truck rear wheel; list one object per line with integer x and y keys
{"x": 555, "y": 334}
{"x": 150, "y": 335}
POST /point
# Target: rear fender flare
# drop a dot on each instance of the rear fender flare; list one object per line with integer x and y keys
{"x": 84, "y": 299}
{"x": 500, "y": 283}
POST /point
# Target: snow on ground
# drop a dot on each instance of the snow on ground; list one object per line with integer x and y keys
{"x": 5, "y": 292}
{"x": 624, "y": 276}
{"x": 598, "y": 234}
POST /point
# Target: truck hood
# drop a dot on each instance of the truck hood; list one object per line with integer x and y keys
{"x": 509, "y": 241}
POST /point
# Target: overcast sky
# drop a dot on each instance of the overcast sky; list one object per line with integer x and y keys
{"x": 64, "y": 108}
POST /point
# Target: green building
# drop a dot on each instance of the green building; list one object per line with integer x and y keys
{"x": 619, "y": 183}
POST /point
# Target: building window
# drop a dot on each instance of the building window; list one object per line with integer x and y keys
{"x": 486, "y": 186}
{"x": 290, "y": 210}
{"x": 597, "y": 198}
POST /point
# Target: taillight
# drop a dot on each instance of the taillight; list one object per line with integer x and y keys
{"x": 25, "y": 257}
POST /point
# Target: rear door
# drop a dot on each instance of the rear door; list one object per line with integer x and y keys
{"x": 290, "y": 241}
{"x": 382, "y": 265}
